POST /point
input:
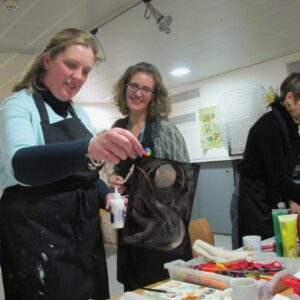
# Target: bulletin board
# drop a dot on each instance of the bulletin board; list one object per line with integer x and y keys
{"x": 237, "y": 112}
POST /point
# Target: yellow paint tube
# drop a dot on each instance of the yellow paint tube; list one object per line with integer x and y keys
{"x": 288, "y": 229}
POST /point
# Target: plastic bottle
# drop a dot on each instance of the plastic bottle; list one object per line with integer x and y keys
{"x": 117, "y": 210}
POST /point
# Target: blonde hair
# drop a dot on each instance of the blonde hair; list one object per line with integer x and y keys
{"x": 30, "y": 80}
{"x": 161, "y": 102}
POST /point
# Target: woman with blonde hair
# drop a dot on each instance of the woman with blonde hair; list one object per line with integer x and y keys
{"x": 51, "y": 241}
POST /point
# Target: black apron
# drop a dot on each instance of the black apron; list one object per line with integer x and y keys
{"x": 256, "y": 199}
{"x": 52, "y": 244}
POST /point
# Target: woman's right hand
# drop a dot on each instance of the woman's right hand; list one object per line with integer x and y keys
{"x": 117, "y": 180}
{"x": 115, "y": 145}
{"x": 295, "y": 207}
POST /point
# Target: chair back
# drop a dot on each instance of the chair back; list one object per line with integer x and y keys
{"x": 199, "y": 229}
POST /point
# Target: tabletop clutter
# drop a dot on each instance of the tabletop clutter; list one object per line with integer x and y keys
{"x": 258, "y": 271}
{"x": 262, "y": 268}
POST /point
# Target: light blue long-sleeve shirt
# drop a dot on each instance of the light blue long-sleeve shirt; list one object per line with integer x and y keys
{"x": 20, "y": 127}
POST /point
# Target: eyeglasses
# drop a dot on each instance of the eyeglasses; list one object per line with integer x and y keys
{"x": 146, "y": 91}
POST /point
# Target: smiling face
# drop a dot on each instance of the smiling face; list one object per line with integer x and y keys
{"x": 68, "y": 70}
{"x": 136, "y": 101}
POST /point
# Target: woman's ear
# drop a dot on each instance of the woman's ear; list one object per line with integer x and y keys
{"x": 46, "y": 60}
{"x": 290, "y": 97}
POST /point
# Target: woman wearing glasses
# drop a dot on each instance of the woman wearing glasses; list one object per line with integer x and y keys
{"x": 142, "y": 97}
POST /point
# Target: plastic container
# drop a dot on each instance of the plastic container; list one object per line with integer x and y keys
{"x": 117, "y": 210}
{"x": 182, "y": 271}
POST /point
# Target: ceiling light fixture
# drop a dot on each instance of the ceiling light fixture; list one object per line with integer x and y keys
{"x": 10, "y": 4}
{"x": 180, "y": 72}
{"x": 163, "y": 22}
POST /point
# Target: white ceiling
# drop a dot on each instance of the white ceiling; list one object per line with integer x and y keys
{"x": 208, "y": 36}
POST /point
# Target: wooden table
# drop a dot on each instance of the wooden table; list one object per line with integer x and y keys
{"x": 286, "y": 292}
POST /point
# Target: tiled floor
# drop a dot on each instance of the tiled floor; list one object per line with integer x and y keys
{"x": 115, "y": 287}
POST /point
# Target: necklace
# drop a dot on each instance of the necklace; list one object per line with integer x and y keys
{"x": 139, "y": 136}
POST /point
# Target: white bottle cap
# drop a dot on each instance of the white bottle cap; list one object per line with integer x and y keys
{"x": 281, "y": 205}
{"x": 116, "y": 193}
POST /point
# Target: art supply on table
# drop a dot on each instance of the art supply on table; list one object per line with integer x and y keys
{"x": 298, "y": 232}
{"x": 278, "y": 239}
{"x": 242, "y": 288}
{"x": 252, "y": 243}
{"x": 253, "y": 270}
{"x": 178, "y": 290}
{"x": 216, "y": 254}
{"x": 268, "y": 247}
{"x": 154, "y": 290}
{"x": 288, "y": 230}
{"x": 117, "y": 206}
{"x": 294, "y": 283}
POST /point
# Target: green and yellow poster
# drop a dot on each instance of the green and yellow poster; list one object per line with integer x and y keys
{"x": 210, "y": 135}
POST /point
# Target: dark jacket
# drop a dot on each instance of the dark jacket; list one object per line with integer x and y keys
{"x": 271, "y": 153}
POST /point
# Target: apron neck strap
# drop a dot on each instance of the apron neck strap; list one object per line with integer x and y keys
{"x": 40, "y": 104}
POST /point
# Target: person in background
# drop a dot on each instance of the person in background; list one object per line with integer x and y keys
{"x": 51, "y": 241}
{"x": 143, "y": 99}
{"x": 271, "y": 153}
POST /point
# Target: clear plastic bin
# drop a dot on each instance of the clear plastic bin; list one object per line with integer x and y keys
{"x": 182, "y": 271}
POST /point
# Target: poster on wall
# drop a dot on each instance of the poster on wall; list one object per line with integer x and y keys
{"x": 210, "y": 134}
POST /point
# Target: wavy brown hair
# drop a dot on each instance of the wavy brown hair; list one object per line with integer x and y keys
{"x": 161, "y": 102}
{"x": 30, "y": 80}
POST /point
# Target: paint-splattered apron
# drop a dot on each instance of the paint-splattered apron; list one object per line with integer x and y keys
{"x": 51, "y": 239}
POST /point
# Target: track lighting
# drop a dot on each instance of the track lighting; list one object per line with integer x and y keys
{"x": 163, "y": 22}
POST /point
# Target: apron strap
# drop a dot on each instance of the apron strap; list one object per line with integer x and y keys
{"x": 40, "y": 104}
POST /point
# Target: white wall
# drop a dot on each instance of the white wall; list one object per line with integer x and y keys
{"x": 212, "y": 90}
{"x": 102, "y": 115}
{"x": 270, "y": 73}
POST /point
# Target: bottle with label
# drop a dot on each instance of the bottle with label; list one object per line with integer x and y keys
{"x": 117, "y": 210}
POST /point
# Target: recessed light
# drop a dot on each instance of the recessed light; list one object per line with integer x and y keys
{"x": 10, "y": 4}
{"x": 180, "y": 72}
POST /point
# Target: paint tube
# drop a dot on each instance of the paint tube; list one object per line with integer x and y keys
{"x": 278, "y": 239}
{"x": 288, "y": 229}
